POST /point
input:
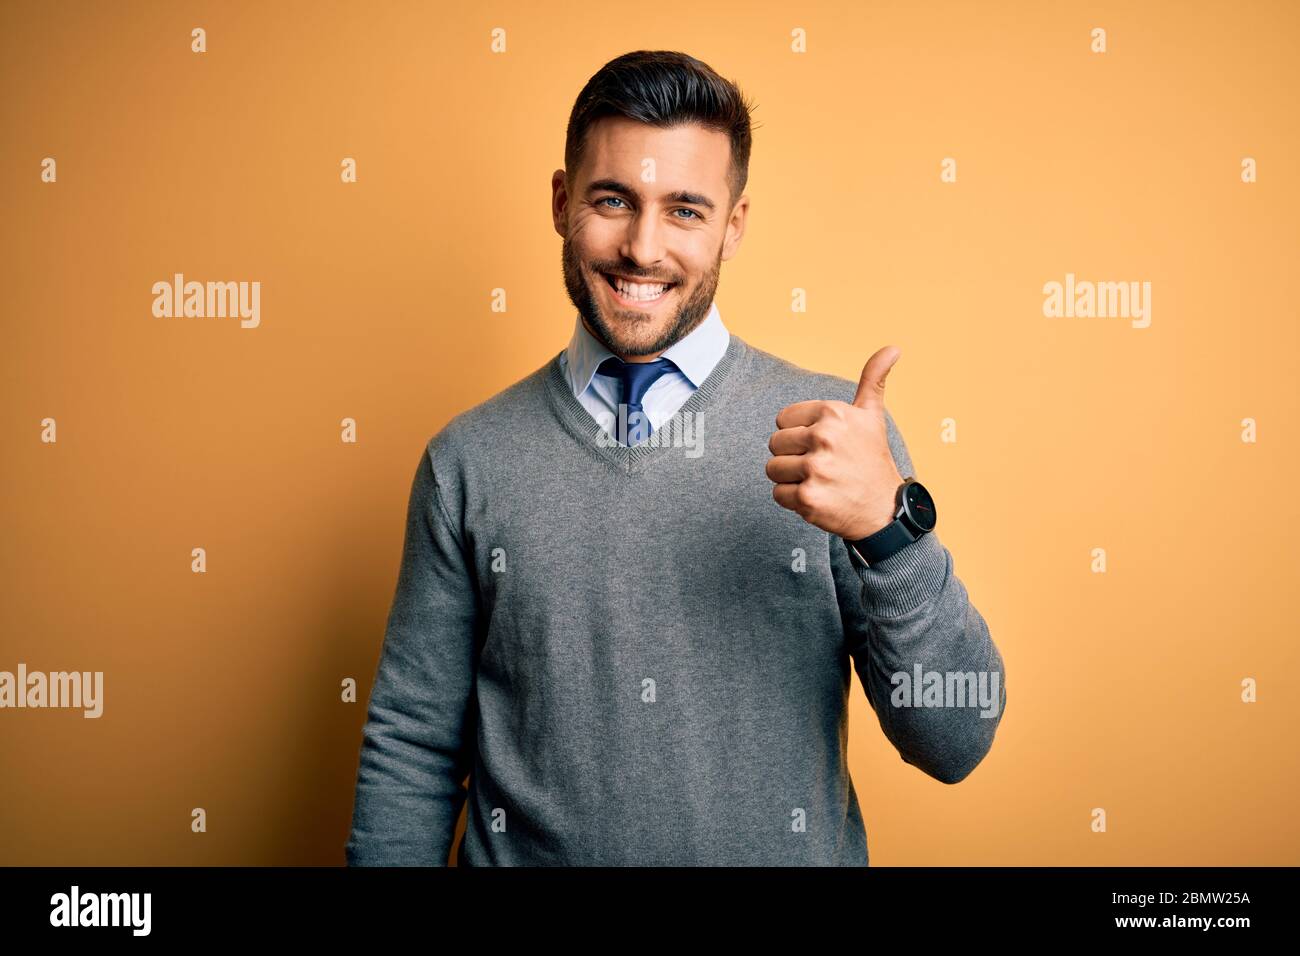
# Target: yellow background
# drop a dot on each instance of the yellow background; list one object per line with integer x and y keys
{"x": 222, "y": 689}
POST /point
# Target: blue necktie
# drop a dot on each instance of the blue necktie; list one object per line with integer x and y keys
{"x": 637, "y": 377}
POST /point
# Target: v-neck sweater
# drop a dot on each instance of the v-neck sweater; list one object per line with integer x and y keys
{"x": 637, "y": 656}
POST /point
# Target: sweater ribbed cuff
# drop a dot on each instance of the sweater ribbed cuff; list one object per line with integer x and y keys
{"x": 907, "y": 578}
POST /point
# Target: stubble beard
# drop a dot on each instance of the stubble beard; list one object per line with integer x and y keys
{"x": 631, "y": 332}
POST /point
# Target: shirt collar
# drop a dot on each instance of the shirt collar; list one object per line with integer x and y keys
{"x": 695, "y": 354}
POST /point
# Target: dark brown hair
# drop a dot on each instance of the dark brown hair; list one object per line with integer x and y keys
{"x": 663, "y": 88}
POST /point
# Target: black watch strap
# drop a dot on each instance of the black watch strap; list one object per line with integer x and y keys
{"x": 890, "y": 539}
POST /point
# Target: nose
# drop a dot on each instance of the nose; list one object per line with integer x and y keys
{"x": 643, "y": 243}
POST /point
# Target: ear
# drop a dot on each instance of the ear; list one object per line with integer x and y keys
{"x": 560, "y": 203}
{"x": 735, "y": 228}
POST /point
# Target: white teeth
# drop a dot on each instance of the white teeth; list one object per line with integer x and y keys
{"x": 641, "y": 291}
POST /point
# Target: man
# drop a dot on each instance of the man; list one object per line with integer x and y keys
{"x": 637, "y": 649}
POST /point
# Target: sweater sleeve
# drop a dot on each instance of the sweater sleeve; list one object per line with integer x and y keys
{"x": 911, "y": 611}
{"x": 418, "y": 740}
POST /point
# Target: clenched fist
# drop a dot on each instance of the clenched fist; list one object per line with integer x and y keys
{"x": 831, "y": 460}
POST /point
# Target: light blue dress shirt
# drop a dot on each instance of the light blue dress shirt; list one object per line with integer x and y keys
{"x": 695, "y": 355}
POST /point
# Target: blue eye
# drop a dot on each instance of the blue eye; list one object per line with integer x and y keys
{"x": 603, "y": 199}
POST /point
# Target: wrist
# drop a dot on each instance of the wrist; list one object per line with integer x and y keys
{"x": 914, "y": 517}
{"x": 867, "y": 528}
{"x": 880, "y": 519}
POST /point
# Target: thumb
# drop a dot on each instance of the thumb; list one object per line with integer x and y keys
{"x": 871, "y": 386}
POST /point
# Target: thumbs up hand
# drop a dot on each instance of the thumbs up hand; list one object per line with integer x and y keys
{"x": 831, "y": 460}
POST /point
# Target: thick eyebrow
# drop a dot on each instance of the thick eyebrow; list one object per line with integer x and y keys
{"x": 682, "y": 195}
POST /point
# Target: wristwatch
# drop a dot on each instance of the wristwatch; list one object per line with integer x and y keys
{"x": 915, "y": 516}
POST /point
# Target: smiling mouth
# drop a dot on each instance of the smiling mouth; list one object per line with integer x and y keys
{"x": 637, "y": 291}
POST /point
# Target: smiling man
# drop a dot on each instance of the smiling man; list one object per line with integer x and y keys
{"x": 639, "y": 656}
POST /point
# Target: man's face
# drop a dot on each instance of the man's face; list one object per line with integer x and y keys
{"x": 674, "y": 229}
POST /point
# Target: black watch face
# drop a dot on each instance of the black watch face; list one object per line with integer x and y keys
{"x": 919, "y": 505}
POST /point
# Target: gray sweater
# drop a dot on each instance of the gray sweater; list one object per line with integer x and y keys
{"x": 637, "y": 656}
